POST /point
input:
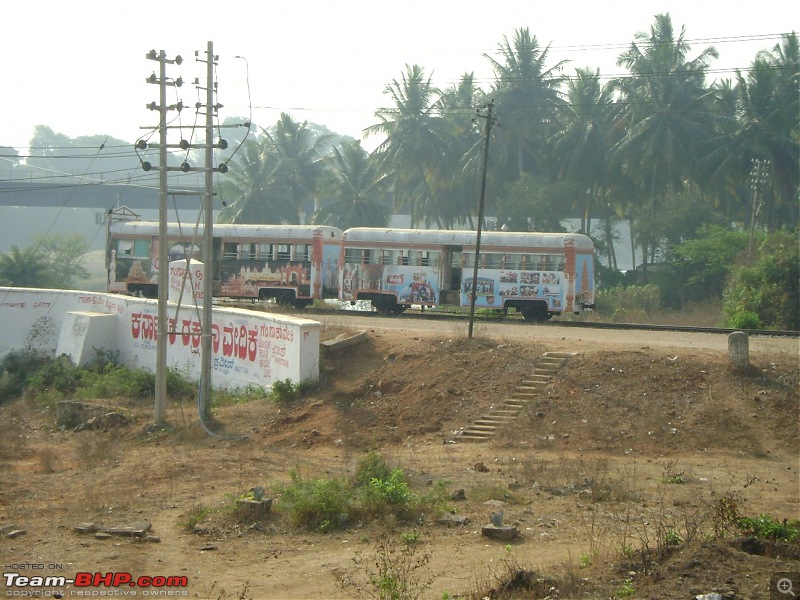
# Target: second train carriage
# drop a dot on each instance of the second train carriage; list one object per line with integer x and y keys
{"x": 537, "y": 274}
{"x": 294, "y": 264}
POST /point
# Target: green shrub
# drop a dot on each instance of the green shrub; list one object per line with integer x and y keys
{"x": 16, "y": 369}
{"x": 371, "y": 466}
{"x": 628, "y": 303}
{"x": 116, "y": 381}
{"x": 743, "y": 319}
{"x": 768, "y": 287}
{"x": 179, "y": 387}
{"x": 765, "y": 527}
{"x": 58, "y": 374}
{"x": 239, "y": 395}
{"x": 103, "y": 378}
{"x": 286, "y": 391}
{"x": 389, "y": 496}
{"x": 317, "y": 504}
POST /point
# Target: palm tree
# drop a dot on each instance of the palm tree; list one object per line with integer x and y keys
{"x": 416, "y": 141}
{"x": 300, "y": 160}
{"x": 664, "y": 113}
{"x": 353, "y": 180}
{"x": 527, "y": 98}
{"x": 582, "y": 143}
{"x": 25, "y": 268}
{"x": 770, "y": 109}
{"x": 277, "y": 176}
{"x": 248, "y": 186}
{"x": 760, "y": 122}
{"x": 458, "y": 185}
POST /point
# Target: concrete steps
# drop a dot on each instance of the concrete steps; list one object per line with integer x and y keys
{"x": 507, "y": 410}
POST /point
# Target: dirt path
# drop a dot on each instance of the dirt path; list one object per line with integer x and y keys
{"x": 583, "y": 473}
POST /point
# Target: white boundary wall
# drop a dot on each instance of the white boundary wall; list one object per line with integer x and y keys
{"x": 249, "y": 348}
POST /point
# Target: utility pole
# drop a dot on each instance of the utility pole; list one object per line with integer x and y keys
{"x": 163, "y": 240}
{"x": 484, "y": 166}
{"x": 208, "y": 241}
{"x": 163, "y": 250}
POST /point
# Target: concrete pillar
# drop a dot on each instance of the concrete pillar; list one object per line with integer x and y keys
{"x": 739, "y": 349}
{"x": 186, "y": 281}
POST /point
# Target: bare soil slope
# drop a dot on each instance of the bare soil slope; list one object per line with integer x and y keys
{"x": 621, "y": 448}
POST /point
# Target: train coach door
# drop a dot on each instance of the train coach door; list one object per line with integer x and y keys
{"x": 450, "y": 285}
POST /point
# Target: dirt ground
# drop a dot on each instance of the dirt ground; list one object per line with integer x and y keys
{"x": 627, "y": 445}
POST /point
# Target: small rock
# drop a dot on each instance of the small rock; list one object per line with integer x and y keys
{"x": 151, "y": 539}
{"x": 87, "y": 527}
{"x": 458, "y": 495}
{"x": 505, "y": 532}
{"x": 451, "y": 520}
{"x": 4, "y": 529}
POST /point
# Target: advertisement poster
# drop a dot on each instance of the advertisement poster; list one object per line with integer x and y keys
{"x": 495, "y": 286}
{"x": 411, "y": 284}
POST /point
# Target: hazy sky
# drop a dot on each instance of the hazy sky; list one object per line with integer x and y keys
{"x": 79, "y": 67}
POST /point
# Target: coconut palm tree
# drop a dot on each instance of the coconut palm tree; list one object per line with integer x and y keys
{"x": 276, "y": 176}
{"x": 664, "y": 113}
{"x": 758, "y": 120}
{"x": 582, "y": 143}
{"x": 416, "y": 140}
{"x": 356, "y": 187}
{"x": 457, "y": 188}
{"x": 528, "y": 99}
{"x": 246, "y": 189}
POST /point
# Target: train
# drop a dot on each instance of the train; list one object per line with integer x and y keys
{"x": 536, "y": 274}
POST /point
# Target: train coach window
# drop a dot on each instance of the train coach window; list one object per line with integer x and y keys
{"x": 513, "y": 261}
{"x": 389, "y": 256}
{"x": 230, "y": 250}
{"x": 414, "y": 257}
{"x": 284, "y": 252}
{"x": 492, "y": 260}
{"x": 247, "y": 251}
{"x": 373, "y": 257}
{"x": 457, "y": 259}
{"x": 302, "y": 252}
{"x": 352, "y": 256}
{"x": 125, "y": 248}
{"x": 430, "y": 259}
{"x": 264, "y": 251}
{"x": 141, "y": 248}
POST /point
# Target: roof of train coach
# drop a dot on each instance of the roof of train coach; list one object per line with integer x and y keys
{"x": 229, "y": 231}
{"x": 434, "y": 237}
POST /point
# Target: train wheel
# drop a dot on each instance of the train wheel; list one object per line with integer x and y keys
{"x": 537, "y": 313}
{"x": 388, "y": 306}
{"x": 300, "y": 303}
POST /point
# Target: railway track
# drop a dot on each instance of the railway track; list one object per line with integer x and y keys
{"x": 443, "y": 315}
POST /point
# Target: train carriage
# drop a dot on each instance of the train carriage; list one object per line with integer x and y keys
{"x": 537, "y": 274}
{"x": 293, "y": 264}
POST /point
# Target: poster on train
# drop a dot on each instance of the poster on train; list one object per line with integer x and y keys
{"x": 494, "y": 286}
{"x": 411, "y": 284}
